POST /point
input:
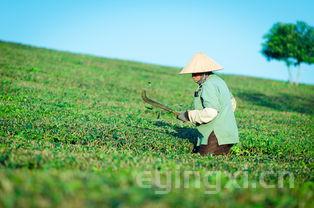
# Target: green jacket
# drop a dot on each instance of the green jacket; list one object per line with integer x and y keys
{"x": 214, "y": 93}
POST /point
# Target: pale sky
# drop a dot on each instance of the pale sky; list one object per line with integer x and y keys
{"x": 161, "y": 32}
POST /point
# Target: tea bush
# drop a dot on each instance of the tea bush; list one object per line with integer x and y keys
{"x": 74, "y": 132}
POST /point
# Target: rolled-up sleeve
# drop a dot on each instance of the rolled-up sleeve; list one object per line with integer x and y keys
{"x": 233, "y": 103}
{"x": 202, "y": 116}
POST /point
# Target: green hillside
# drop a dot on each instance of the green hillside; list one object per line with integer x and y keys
{"x": 74, "y": 132}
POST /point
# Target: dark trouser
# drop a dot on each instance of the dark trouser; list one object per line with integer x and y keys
{"x": 212, "y": 147}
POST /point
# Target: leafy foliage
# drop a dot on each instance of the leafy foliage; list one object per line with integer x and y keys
{"x": 291, "y": 43}
{"x": 75, "y": 132}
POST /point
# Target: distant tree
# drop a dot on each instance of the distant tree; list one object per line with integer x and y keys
{"x": 291, "y": 43}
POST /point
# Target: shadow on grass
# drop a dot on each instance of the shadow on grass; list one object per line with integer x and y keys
{"x": 282, "y": 102}
{"x": 190, "y": 134}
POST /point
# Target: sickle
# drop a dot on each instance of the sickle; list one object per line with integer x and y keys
{"x": 157, "y": 104}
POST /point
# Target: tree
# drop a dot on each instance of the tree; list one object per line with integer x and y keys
{"x": 291, "y": 43}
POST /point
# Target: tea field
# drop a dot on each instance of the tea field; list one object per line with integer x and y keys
{"x": 74, "y": 132}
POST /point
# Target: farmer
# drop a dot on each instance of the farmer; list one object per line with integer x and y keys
{"x": 214, "y": 108}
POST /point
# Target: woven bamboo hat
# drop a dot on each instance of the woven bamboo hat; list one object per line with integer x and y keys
{"x": 200, "y": 63}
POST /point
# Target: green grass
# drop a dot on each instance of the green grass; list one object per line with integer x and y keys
{"x": 74, "y": 132}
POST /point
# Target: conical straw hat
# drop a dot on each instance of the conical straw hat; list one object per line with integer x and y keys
{"x": 200, "y": 63}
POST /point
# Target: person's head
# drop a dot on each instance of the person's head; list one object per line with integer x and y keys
{"x": 197, "y": 77}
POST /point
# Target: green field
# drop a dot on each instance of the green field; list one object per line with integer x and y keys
{"x": 74, "y": 132}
